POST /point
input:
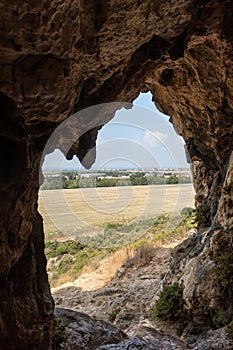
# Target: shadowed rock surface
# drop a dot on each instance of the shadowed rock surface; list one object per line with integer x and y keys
{"x": 84, "y": 333}
{"x": 59, "y": 57}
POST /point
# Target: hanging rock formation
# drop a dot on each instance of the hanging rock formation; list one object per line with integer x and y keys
{"x": 58, "y": 57}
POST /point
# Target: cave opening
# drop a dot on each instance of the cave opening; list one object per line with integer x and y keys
{"x": 137, "y": 154}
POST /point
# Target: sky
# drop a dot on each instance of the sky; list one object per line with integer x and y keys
{"x": 138, "y": 138}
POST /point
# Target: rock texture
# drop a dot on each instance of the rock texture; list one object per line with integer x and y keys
{"x": 85, "y": 332}
{"x": 127, "y": 299}
{"x": 58, "y": 57}
{"x": 140, "y": 330}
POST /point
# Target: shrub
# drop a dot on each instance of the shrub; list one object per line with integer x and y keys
{"x": 229, "y": 329}
{"x": 64, "y": 264}
{"x": 170, "y": 305}
{"x": 223, "y": 259}
{"x": 114, "y": 313}
{"x": 221, "y": 319}
{"x": 188, "y": 211}
{"x": 53, "y": 249}
{"x": 59, "y": 335}
{"x": 72, "y": 257}
{"x": 224, "y": 263}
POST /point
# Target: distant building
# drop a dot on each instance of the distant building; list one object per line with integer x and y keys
{"x": 88, "y": 175}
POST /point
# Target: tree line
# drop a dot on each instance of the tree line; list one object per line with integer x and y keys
{"x": 71, "y": 180}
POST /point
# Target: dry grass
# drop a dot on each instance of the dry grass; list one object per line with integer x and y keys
{"x": 144, "y": 253}
{"x": 67, "y": 211}
{"x": 91, "y": 267}
{"x": 97, "y": 274}
{"x": 101, "y": 265}
{"x": 65, "y": 278}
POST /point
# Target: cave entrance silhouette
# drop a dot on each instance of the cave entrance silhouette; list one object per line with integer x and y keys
{"x": 138, "y": 141}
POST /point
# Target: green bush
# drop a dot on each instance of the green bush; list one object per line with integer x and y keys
{"x": 170, "y": 305}
{"x": 221, "y": 319}
{"x": 145, "y": 235}
{"x": 229, "y": 329}
{"x": 111, "y": 225}
{"x": 223, "y": 259}
{"x": 172, "y": 180}
{"x": 188, "y": 211}
{"x": 64, "y": 264}
{"x": 114, "y": 313}
{"x": 224, "y": 262}
{"x": 73, "y": 256}
{"x": 53, "y": 249}
{"x": 59, "y": 335}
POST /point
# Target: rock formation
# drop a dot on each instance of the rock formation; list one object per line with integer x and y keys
{"x": 58, "y": 57}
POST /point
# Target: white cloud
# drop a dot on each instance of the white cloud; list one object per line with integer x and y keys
{"x": 155, "y": 138}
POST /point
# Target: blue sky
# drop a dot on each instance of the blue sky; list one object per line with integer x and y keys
{"x": 141, "y": 137}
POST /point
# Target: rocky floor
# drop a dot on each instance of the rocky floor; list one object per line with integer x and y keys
{"x": 126, "y": 301}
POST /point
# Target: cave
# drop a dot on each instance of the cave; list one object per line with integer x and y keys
{"x": 60, "y": 57}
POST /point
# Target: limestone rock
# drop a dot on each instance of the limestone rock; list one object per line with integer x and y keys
{"x": 126, "y": 300}
{"x": 86, "y": 333}
{"x": 202, "y": 264}
{"x": 225, "y": 216}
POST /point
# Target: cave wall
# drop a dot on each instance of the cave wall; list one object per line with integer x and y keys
{"x": 58, "y": 57}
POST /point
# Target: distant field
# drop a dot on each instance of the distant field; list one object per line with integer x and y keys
{"x": 89, "y": 209}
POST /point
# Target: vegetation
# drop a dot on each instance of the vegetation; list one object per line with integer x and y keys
{"x": 229, "y": 329}
{"x": 74, "y": 179}
{"x": 224, "y": 269}
{"x": 170, "y": 305}
{"x": 114, "y": 313}
{"x": 55, "y": 248}
{"x": 126, "y": 203}
{"x": 68, "y": 258}
{"x": 221, "y": 319}
{"x": 223, "y": 258}
{"x": 161, "y": 228}
{"x": 59, "y": 335}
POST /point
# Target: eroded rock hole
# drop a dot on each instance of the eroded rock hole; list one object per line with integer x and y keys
{"x": 12, "y": 158}
{"x": 166, "y": 78}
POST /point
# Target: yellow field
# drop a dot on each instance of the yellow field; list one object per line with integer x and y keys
{"x": 89, "y": 209}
